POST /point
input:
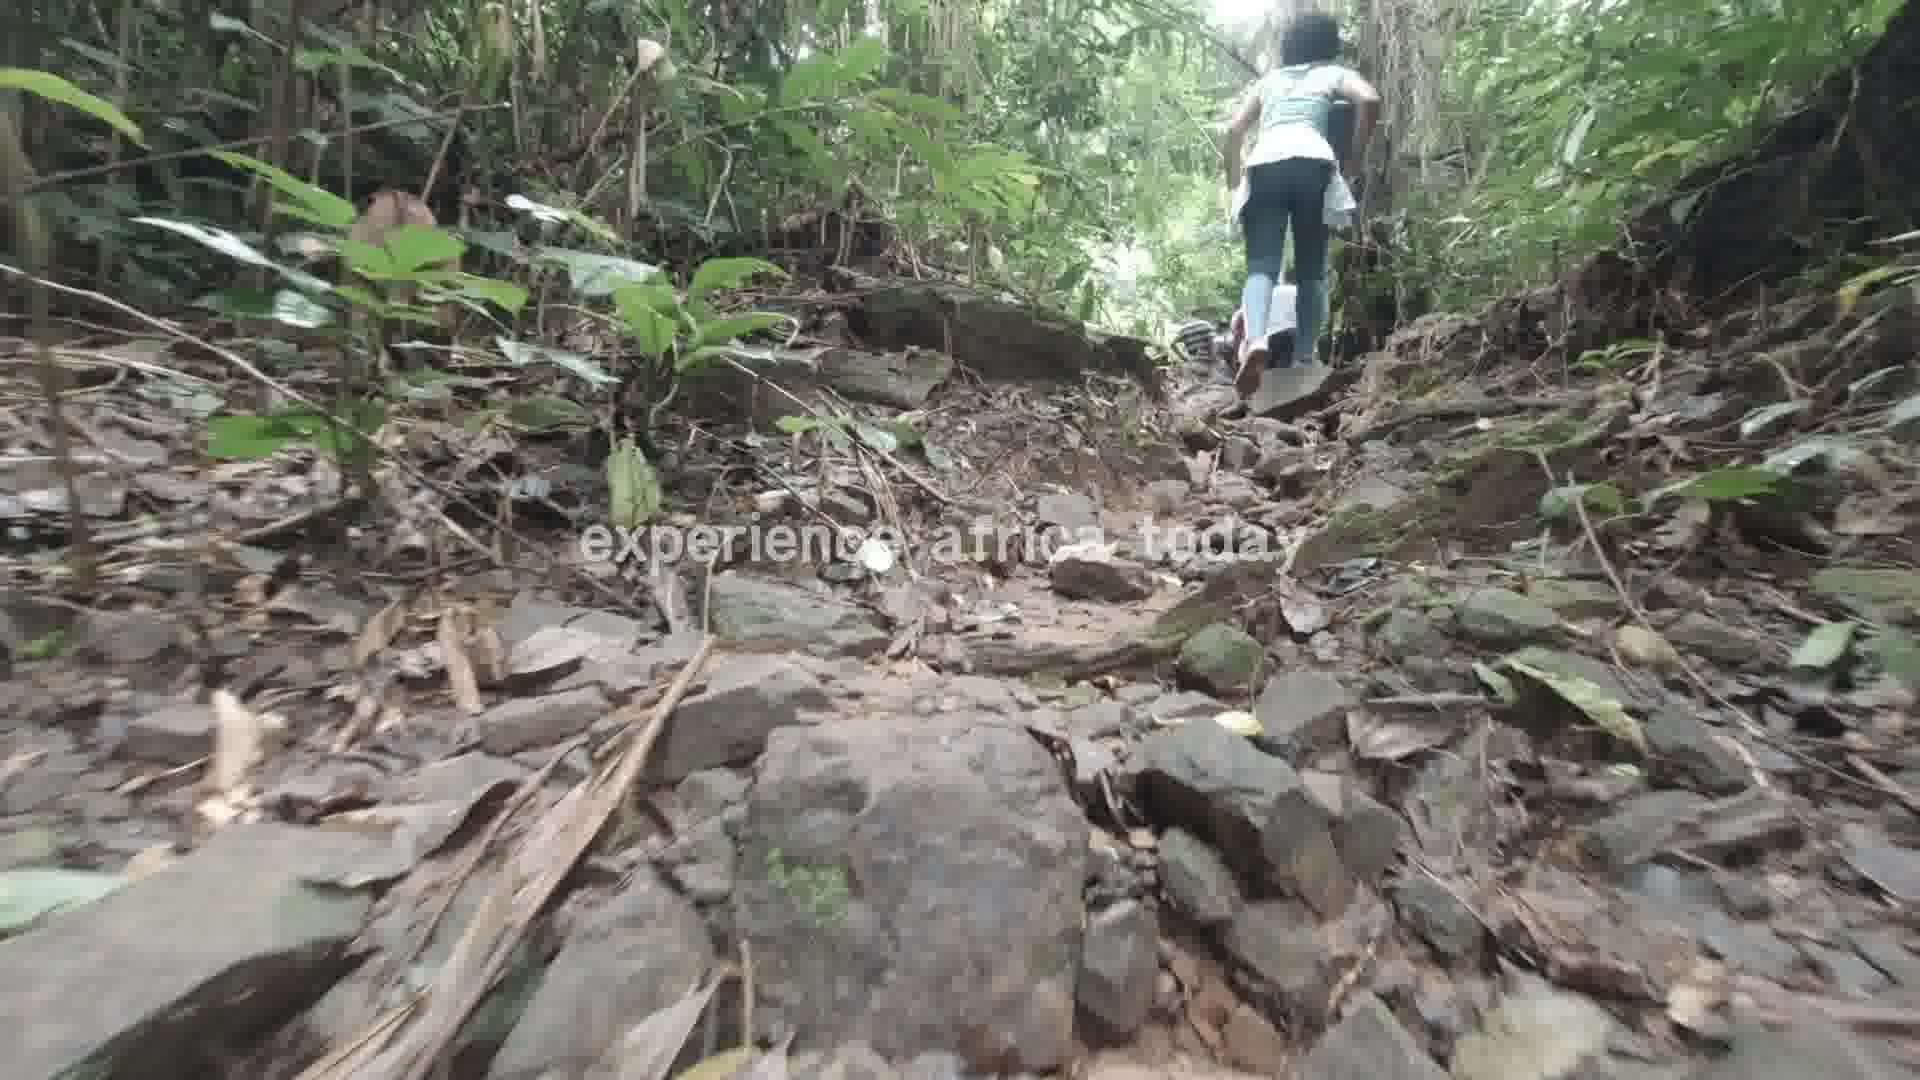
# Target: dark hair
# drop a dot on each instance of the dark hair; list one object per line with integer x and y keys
{"x": 1313, "y": 38}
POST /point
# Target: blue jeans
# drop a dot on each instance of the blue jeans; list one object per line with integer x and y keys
{"x": 1292, "y": 189}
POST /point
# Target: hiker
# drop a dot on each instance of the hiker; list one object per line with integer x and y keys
{"x": 1292, "y": 174}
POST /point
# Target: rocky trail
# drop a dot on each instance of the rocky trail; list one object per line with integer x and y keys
{"x": 1465, "y": 718}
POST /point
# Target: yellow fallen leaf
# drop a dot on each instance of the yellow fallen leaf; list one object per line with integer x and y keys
{"x": 1240, "y": 722}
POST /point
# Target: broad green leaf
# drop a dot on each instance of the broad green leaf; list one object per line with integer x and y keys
{"x": 295, "y": 308}
{"x": 54, "y": 88}
{"x": 554, "y": 215}
{"x": 1897, "y": 654}
{"x": 728, "y": 274}
{"x": 414, "y": 247}
{"x": 877, "y": 438}
{"x": 721, "y": 331}
{"x": 1824, "y": 645}
{"x": 1602, "y": 498}
{"x": 1497, "y": 684}
{"x": 506, "y": 294}
{"x": 797, "y": 425}
{"x": 323, "y": 206}
{"x": 233, "y": 247}
{"x": 1583, "y": 694}
{"x": 860, "y": 59}
{"x": 651, "y": 331}
{"x": 633, "y": 490}
{"x": 521, "y": 354}
{"x": 593, "y": 275}
{"x": 249, "y": 438}
{"x": 29, "y": 894}
{"x": 690, "y": 359}
{"x": 367, "y": 260}
{"x": 545, "y": 412}
{"x": 657, "y": 295}
{"x": 1723, "y": 485}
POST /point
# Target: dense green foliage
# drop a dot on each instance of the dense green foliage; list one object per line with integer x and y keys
{"x": 1063, "y": 150}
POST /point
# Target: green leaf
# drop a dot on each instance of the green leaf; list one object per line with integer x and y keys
{"x": 797, "y": 425}
{"x": 1499, "y": 685}
{"x": 324, "y": 207}
{"x": 416, "y": 246}
{"x": 721, "y": 331}
{"x": 861, "y": 59}
{"x": 1728, "y": 484}
{"x": 593, "y": 275}
{"x": 1602, "y": 498}
{"x": 29, "y": 894}
{"x": 506, "y": 294}
{"x": 651, "y": 331}
{"x": 521, "y": 354}
{"x": 367, "y": 260}
{"x": 633, "y": 490}
{"x": 1583, "y": 694}
{"x": 235, "y": 248}
{"x": 693, "y": 358}
{"x": 728, "y": 274}
{"x": 1897, "y": 654}
{"x": 1849, "y": 293}
{"x": 294, "y": 308}
{"x": 54, "y": 88}
{"x": 1824, "y": 646}
{"x": 549, "y": 413}
{"x": 250, "y": 438}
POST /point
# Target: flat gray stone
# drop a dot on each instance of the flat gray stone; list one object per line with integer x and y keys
{"x": 208, "y": 952}
{"x": 1369, "y": 1045}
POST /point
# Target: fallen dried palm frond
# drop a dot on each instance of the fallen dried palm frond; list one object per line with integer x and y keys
{"x": 408, "y": 1042}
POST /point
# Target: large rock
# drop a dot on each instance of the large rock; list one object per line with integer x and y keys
{"x": 755, "y": 613}
{"x": 916, "y": 889}
{"x": 642, "y": 951}
{"x": 721, "y": 391}
{"x": 1369, "y": 1045}
{"x": 1254, "y": 809}
{"x": 209, "y": 952}
{"x": 746, "y": 698}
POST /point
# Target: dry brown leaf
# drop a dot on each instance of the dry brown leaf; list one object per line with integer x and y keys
{"x": 379, "y": 632}
{"x": 239, "y": 736}
{"x": 453, "y": 654}
{"x": 550, "y": 649}
{"x": 1642, "y": 647}
{"x": 1379, "y": 739}
{"x": 648, "y": 1049}
{"x": 399, "y": 1050}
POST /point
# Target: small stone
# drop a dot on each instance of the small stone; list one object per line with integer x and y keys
{"x": 1684, "y": 747}
{"x": 529, "y": 723}
{"x": 1094, "y": 572}
{"x": 1119, "y": 968}
{"x": 176, "y": 735}
{"x": 1439, "y": 916}
{"x": 1576, "y": 598}
{"x": 1300, "y": 712}
{"x": 1142, "y": 839}
{"x": 1253, "y": 1044}
{"x": 1198, "y": 882}
{"x": 1369, "y": 1043}
{"x": 1502, "y": 617}
{"x": 1221, "y": 659}
{"x": 1716, "y": 640}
